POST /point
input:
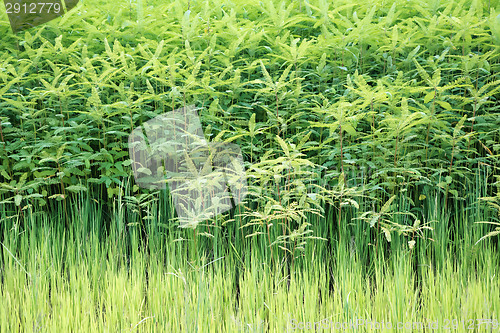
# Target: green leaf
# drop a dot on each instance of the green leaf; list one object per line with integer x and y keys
{"x": 490, "y": 234}
{"x": 150, "y": 87}
{"x": 444, "y": 105}
{"x": 145, "y": 170}
{"x": 283, "y": 145}
{"x": 251, "y": 125}
{"x": 387, "y": 234}
{"x": 429, "y": 97}
{"x": 283, "y": 76}
{"x": 386, "y": 206}
{"x": 266, "y": 74}
{"x": 349, "y": 129}
{"x": 17, "y": 199}
{"x": 436, "y": 78}
{"x": 459, "y": 126}
{"x": 374, "y": 220}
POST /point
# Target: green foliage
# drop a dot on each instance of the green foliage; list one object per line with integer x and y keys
{"x": 371, "y": 142}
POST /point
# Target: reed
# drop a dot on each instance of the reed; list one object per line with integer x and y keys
{"x": 370, "y": 141}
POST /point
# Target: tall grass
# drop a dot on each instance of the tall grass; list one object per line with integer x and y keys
{"x": 370, "y": 138}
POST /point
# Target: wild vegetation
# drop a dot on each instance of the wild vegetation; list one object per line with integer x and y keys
{"x": 370, "y": 133}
